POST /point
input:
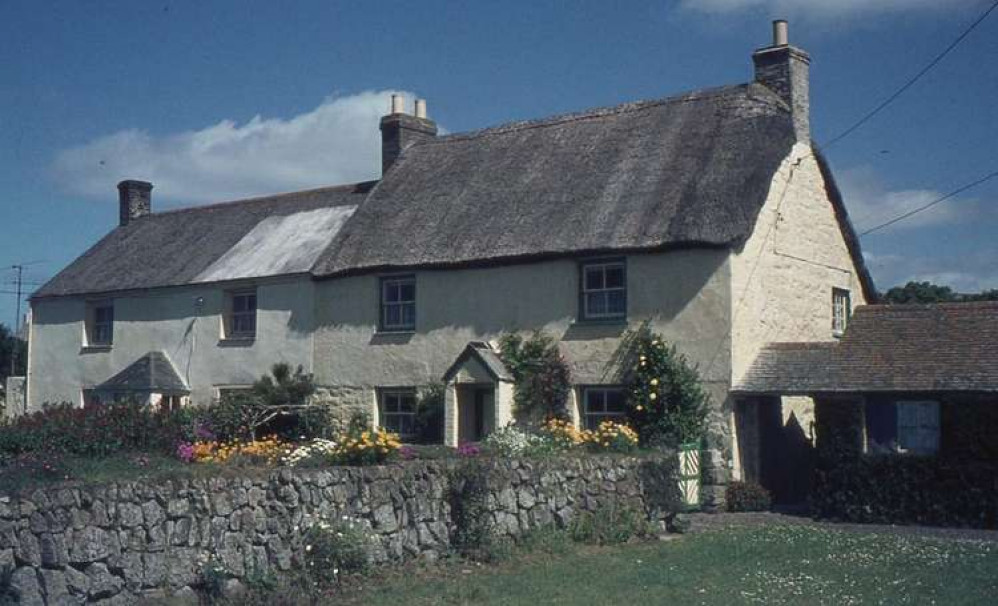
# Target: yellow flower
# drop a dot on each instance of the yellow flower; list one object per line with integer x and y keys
{"x": 640, "y": 407}
{"x": 653, "y": 382}
{"x": 652, "y": 395}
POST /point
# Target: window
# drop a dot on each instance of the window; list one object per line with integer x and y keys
{"x": 602, "y": 404}
{"x": 398, "y": 303}
{"x": 604, "y": 290}
{"x": 240, "y": 320}
{"x": 918, "y": 427}
{"x": 100, "y": 324}
{"x": 841, "y": 310}
{"x": 398, "y": 412}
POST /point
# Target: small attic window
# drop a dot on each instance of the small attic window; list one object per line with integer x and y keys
{"x": 841, "y": 310}
{"x": 100, "y": 323}
{"x": 240, "y": 317}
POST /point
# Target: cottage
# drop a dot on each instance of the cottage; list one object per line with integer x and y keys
{"x": 708, "y": 216}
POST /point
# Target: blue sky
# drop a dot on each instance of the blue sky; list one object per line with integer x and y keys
{"x": 223, "y": 99}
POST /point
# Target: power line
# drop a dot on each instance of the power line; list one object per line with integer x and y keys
{"x": 876, "y": 110}
{"x": 959, "y": 190}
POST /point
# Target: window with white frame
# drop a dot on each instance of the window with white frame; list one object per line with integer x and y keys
{"x": 604, "y": 290}
{"x": 918, "y": 427}
{"x": 100, "y": 323}
{"x": 397, "y": 411}
{"x": 602, "y": 404}
{"x": 841, "y": 310}
{"x": 398, "y": 303}
{"x": 240, "y": 319}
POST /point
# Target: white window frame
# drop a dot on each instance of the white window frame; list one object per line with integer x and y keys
{"x": 232, "y": 316}
{"x": 841, "y": 310}
{"x": 592, "y": 418}
{"x": 402, "y": 325}
{"x": 585, "y": 291}
{"x": 918, "y": 429}
{"x": 396, "y": 397}
{"x": 100, "y": 332}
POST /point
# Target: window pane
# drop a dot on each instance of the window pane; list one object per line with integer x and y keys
{"x": 615, "y": 400}
{"x": 391, "y": 292}
{"x": 393, "y": 315}
{"x": 407, "y": 403}
{"x": 594, "y": 278}
{"x": 615, "y": 276}
{"x": 407, "y": 291}
{"x": 616, "y": 303}
{"x": 408, "y": 314}
{"x": 595, "y": 402}
{"x": 595, "y": 304}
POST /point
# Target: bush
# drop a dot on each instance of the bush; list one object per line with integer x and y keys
{"x": 609, "y": 524}
{"x": 540, "y": 374}
{"x": 430, "y": 415}
{"x": 474, "y": 535}
{"x": 747, "y": 496}
{"x": 666, "y": 401}
{"x": 511, "y": 441}
{"x": 907, "y": 489}
{"x": 335, "y": 549}
{"x": 612, "y": 437}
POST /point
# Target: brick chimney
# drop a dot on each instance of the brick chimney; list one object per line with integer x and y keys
{"x": 399, "y": 130}
{"x": 134, "y": 200}
{"x": 785, "y": 70}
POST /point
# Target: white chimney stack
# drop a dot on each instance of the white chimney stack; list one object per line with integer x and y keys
{"x": 780, "y": 35}
{"x": 398, "y": 104}
{"x": 421, "y": 108}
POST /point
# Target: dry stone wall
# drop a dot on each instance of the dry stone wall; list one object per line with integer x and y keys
{"x": 118, "y": 543}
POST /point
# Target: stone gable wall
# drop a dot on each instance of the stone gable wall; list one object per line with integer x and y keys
{"x": 117, "y": 543}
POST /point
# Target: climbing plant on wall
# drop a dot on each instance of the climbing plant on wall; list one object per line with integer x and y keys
{"x": 666, "y": 400}
{"x": 541, "y": 377}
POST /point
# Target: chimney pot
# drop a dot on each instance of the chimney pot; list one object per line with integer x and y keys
{"x": 781, "y": 36}
{"x": 398, "y": 104}
{"x": 134, "y": 200}
{"x": 785, "y": 70}
{"x": 399, "y": 130}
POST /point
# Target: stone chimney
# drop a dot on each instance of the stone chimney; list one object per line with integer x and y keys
{"x": 785, "y": 70}
{"x": 399, "y": 130}
{"x": 134, "y": 200}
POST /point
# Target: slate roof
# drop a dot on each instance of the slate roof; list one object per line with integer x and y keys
{"x": 206, "y": 243}
{"x": 152, "y": 373}
{"x": 889, "y": 348}
{"x": 688, "y": 170}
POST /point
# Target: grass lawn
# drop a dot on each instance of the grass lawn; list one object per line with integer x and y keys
{"x": 765, "y": 565}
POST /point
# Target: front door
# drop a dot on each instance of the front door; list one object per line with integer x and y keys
{"x": 476, "y": 412}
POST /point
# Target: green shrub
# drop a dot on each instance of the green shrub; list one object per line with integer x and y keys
{"x": 430, "y": 415}
{"x": 666, "y": 400}
{"x": 747, "y": 496}
{"x": 907, "y": 489}
{"x": 474, "y": 535}
{"x": 335, "y": 549}
{"x": 540, "y": 374}
{"x": 610, "y": 524}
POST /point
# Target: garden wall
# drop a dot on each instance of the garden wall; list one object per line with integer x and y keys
{"x": 116, "y": 543}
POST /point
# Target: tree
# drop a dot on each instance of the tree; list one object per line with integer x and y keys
{"x": 927, "y": 292}
{"x": 276, "y": 404}
{"x": 919, "y": 292}
{"x": 541, "y": 376}
{"x": 11, "y": 346}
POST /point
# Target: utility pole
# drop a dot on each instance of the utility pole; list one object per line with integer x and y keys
{"x": 17, "y": 319}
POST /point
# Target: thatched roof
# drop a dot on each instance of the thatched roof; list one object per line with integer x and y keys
{"x": 688, "y": 170}
{"x": 945, "y": 347}
{"x": 152, "y": 373}
{"x": 273, "y": 235}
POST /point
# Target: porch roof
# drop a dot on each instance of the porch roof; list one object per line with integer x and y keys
{"x": 152, "y": 373}
{"x": 486, "y": 356}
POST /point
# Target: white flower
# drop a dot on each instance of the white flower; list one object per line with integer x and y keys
{"x": 308, "y": 548}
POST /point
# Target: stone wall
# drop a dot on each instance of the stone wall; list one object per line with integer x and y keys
{"x": 14, "y": 397}
{"x": 116, "y": 543}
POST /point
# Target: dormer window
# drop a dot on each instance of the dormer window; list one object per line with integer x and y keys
{"x": 603, "y": 294}
{"x": 100, "y": 323}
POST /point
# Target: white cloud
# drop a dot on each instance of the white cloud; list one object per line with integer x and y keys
{"x": 870, "y": 202}
{"x": 822, "y": 8}
{"x": 337, "y": 142}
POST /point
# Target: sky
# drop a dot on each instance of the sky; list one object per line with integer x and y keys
{"x": 212, "y": 101}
